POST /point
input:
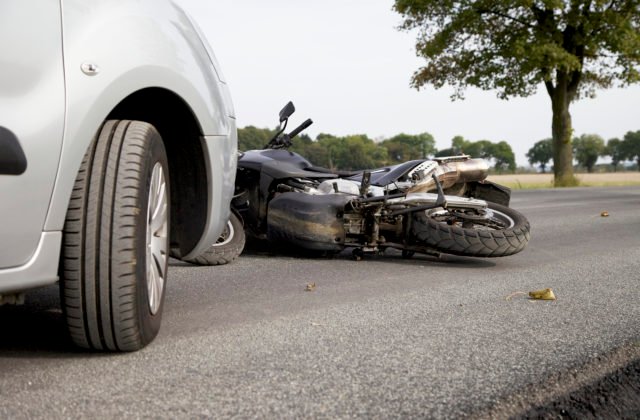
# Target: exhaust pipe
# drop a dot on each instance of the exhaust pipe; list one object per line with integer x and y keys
{"x": 449, "y": 171}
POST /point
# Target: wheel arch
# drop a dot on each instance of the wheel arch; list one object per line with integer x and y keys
{"x": 182, "y": 137}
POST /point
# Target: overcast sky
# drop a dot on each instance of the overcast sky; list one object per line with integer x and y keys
{"x": 345, "y": 65}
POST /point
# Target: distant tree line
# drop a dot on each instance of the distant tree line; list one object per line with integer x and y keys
{"x": 355, "y": 152}
{"x": 588, "y": 148}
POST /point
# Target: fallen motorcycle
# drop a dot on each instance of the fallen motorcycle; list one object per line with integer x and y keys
{"x": 430, "y": 206}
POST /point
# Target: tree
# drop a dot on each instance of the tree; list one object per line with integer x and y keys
{"x": 501, "y": 153}
{"x": 404, "y": 147}
{"x": 572, "y": 47}
{"x": 541, "y": 153}
{"x": 478, "y": 149}
{"x": 631, "y": 146}
{"x": 251, "y": 138}
{"x": 587, "y": 148}
{"x": 616, "y": 151}
{"x": 346, "y": 153}
{"x": 503, "y": 156}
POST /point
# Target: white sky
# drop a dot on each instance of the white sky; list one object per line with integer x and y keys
{"x": 345, "y": 65}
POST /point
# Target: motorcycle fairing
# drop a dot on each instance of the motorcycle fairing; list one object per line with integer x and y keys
{"x": 313, "y": 222}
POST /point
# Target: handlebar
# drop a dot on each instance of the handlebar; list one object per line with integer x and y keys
{"x": 283, "y": 141}
{"x": 300, "y": 128}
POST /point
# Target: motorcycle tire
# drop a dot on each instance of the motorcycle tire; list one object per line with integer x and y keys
{"x": 476, "y": 241}
{"x": 228, "y": 247}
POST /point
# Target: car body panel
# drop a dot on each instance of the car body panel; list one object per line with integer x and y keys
{"x": 111, "y": 49}
{"x": 175, "y": 59}
{"x": 217, "y": 150}
{"x": 33, "y": 104}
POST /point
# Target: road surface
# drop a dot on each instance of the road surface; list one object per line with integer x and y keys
{"x": 383, "y": 337}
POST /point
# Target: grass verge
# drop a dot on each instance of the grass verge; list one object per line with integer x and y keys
{"x": 538, "y": 181}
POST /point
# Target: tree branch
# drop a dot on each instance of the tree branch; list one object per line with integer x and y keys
{"x": 550, "y": 88}
{"x": 506, "y": 16}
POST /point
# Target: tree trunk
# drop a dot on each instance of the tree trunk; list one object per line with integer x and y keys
{"x": 562, "y": 132}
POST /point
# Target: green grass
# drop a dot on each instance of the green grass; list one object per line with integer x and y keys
{"x": 540, "y": 185}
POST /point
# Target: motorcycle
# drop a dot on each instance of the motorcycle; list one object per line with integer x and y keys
{"x": 429, "y": 206}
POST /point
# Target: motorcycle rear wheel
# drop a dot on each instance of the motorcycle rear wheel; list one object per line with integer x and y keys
{"x": 505, "y": 232}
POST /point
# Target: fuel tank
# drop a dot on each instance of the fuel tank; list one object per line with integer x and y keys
{"x": 279, "y": 164}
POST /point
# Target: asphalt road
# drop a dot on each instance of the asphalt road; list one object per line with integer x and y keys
{"x": 383, "y": 337}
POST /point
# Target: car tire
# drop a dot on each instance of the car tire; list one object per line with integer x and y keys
{"x": 116, "y": 239}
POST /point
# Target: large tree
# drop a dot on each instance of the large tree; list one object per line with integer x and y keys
{"x": 571, "y": 47}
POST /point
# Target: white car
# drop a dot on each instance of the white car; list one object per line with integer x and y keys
{"x": 117, "y": 143}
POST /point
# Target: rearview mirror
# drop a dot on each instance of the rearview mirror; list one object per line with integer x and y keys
{"x": 287, "y": 111}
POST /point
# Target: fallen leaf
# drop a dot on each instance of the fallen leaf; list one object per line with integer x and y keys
{"x": 544, "y": 294}
{"x": 310, "y": 287}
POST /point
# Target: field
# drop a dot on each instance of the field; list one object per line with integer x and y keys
{"x": 532, "y": 181}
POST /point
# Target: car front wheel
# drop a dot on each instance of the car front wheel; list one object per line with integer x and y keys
{"x": 116, "y": 239}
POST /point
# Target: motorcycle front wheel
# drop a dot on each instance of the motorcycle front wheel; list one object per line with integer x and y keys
{"x": 228, "y": 247}
{"x": 498, "y": 231}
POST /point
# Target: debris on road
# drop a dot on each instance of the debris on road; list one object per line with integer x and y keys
{"x": 544, "y": 294}
{"x": 604, "y": 214}
{"x": 310, "y": 287}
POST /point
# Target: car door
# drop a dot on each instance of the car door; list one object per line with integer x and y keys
{"x": 32, "y": 110}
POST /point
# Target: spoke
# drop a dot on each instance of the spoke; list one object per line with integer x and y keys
{"x": 156, "y": 237}
{"x": 152, "y": 285}
{"x": 226, "y": 236}
{"x": 160, "y": 261}
{"x": 159, "y": 219}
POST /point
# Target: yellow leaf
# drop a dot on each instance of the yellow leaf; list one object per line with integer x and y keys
{"x": 544, "y": 294}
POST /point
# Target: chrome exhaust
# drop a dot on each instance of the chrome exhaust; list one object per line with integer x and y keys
{"x": 449, "y": 171}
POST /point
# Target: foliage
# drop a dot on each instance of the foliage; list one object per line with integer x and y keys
{"x": 631, "y": 146}
{"x": 404, "y": 147}
{"x": 345, "y": 153}
{"x": 587, "y": 148}
{"x": 541, "y": 153}
{"x": 500, "y": 153}
{"x": 572, "y": 47}
{"x": 251, "y": 138}
{"x": 504, "y": 159}
{"x": 616, "y": 151}
{"x": 357, "y": 152}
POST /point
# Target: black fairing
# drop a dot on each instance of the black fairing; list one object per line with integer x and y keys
{"x": 384, "y": 176}
{"x": 312, "y": 222}
{"x": 489, "y": 191}
{"x": 280, "y": 164}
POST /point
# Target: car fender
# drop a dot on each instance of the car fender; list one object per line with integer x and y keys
{"x": 103, "y": 65}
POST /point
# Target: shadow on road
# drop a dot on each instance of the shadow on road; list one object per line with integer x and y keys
{"x": 391, "y": 256}
{"x": 36, "y": 328}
